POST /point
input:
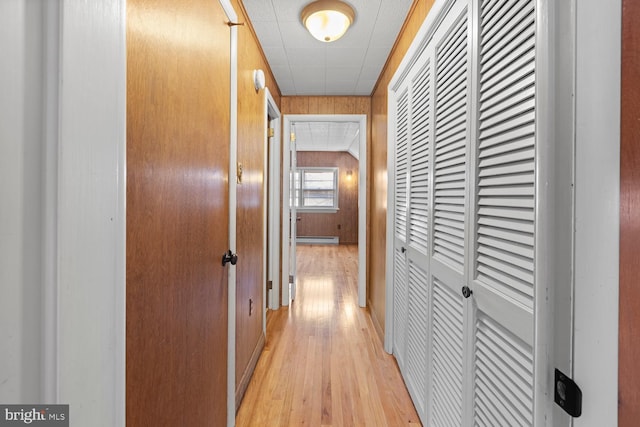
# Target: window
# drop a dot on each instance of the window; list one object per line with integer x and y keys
{"x": 315, "y": 189}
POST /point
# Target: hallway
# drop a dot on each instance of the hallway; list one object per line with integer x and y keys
{"x": 323, "y": 364}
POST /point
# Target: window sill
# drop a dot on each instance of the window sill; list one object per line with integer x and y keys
{"x": 317, "y": 210}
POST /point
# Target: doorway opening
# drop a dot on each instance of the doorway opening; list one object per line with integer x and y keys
{"x": 299, "y": 125}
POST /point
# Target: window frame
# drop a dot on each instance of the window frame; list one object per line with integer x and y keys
{"x": 297, "y": 195}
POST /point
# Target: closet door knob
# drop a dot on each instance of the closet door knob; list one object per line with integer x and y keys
{"x": 466, "y": 292}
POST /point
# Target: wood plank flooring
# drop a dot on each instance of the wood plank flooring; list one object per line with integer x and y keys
{"x": 323, "y": 363}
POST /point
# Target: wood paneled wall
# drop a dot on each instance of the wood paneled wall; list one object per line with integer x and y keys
{"x": 326, "y": 105}
{"x": 378, "y": 163}
{"x": 250, "y": 208}
{"x": 629, "y": 341}
{"x": 343, "y": 223}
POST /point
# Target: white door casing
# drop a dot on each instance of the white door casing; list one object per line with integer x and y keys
{"x": 362, "y": 191}
{"x": 272, "y": 202}
{"x": 293, "y": 216}
{"x": 233, "y": 158}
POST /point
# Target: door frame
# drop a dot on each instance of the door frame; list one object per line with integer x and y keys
{"x": 597, "y": 208}
{"x": 233, "y": 158}
{"x": 271, "y": 205}
{"x": 361, "y": 119}
{"x": 85, "y": 116}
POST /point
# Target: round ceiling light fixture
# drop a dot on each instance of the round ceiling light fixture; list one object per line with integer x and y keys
{"x": 327, "y": 20}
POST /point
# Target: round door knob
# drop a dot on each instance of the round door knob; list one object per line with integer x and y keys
{"x": 229, "y": 257}
{"x": 466, "y": 292}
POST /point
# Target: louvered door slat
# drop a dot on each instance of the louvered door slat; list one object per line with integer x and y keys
{"x": 513, "y": 82}
{"x": 453, "y": 156}
{"x": 402, "y": 146}
{"x": 447, "y": 356}
{"x": 499, "y": 214}
{"x": 400, "y": 306}
{"x": 507, "y": 137}
{"x": 497, "y": 340}
{"x": 490, "y": 8}
{"x": 506, "y": 232}
{"x": 420, "y": 157}
{"x": 525, "y": 122}
{"x": 506, "y": 243}
{"x": 504, "y": 371}
{"x": 522, "y": 108}
{"x": 509, "y": 169}
{"x": 449, "y": 88}
{"x": 505, "y": 212}
{"x": 492, "y": 273}
{"x": 506, "y": 264}
{"x": 450, "y": 146}
{"x": 515, "y": 17}
{"x": 507, "y": 190}
{"x": 501, "y": 147}
{"x": 417, "y": 332}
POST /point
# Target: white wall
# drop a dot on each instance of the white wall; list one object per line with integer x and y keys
{"x": 21, "y": 200}
{"x": 62, "y": 217}
{"x": 597, "y": 195}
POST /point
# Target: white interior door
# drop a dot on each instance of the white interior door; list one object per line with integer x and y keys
{"x": 293, "y": 215}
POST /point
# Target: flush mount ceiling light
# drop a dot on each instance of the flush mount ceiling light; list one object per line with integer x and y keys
{"x": 327, "y": 20}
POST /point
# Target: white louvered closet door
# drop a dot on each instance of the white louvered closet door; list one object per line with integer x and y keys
{"x": 504, "y": 227}
{"x": 401, "y": 291}
{"x": 420, "y": 113}
{"x": 411, "y": 231}
{"x": 451, "y": 141}
{"x": 465, "y": 217}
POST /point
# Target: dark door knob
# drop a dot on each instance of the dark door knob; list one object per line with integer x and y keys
{"x": 403, "y": 249}
{"x": 466, "y": 292}
{"x": 229, "y": 257}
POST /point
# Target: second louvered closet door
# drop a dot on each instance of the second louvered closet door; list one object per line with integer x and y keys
{"x": 504, "y": 223}
{"x": 463, "y": 145}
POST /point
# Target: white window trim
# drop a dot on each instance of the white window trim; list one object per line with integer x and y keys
{"x": 336, "y": 183}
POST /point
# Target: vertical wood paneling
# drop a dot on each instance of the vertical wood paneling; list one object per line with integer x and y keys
{"x": 378, "y": 161}
{"x": 344, "y": 223}
{"x": 325, "y": 105}
{"x": 178, "y": 55}
{"x": 250, "y": 210}
{"x": 629, "y": 344}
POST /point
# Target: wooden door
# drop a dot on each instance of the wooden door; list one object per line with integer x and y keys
{"x": 629, "y": 340}
{"x": 178, "y": 133}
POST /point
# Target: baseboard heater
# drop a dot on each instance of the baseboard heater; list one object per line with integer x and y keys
{"x": 318, "y": 240}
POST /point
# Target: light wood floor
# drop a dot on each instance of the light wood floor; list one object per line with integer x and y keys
{"x": 323, "y": 363}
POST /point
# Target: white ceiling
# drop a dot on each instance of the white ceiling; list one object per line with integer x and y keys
{"x": 327, "y": 136}
{"x": 303, "y": 65}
